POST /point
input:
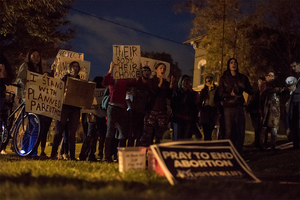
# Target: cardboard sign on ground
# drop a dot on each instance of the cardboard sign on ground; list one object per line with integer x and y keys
{"x": 132, "y": 158}
{"x": 192, "y": 160}
{"x": 79, "y": 93}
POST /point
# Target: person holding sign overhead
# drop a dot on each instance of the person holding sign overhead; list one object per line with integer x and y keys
{"x": 33, "y": 63}
{"x": 116, "y": 110}
{"x": 68, "y": 112}
{"x": 156, "y": 117}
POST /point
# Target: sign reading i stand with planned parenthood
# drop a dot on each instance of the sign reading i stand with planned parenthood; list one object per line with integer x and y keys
{"x": 127, "y": 61}
{"x": 192, "y": 160}
{"x": 44, "y": 95}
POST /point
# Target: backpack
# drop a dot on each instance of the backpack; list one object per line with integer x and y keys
{"x": 105, "y": 100}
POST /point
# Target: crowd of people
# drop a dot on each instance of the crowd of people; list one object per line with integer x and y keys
{"x": 137, "y": 113}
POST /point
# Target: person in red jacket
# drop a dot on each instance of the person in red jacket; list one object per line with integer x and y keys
{"x": 116, "y": 110}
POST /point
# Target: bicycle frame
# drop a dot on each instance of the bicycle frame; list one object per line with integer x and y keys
{"x": 21, "y": 113}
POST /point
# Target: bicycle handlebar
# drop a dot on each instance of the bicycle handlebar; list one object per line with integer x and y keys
{"x": 16, "y": 85}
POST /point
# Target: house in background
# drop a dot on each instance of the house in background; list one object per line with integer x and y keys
{"x": 200, "y": 73}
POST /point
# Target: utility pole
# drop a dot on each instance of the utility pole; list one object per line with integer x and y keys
{"x": 224, "y": 7}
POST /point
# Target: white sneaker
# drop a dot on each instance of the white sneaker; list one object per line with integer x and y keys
{"x": 3, "y": 152}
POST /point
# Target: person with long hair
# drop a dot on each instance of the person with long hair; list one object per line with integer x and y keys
{"x": 156, "y": 117}
{"x": 231, "y": 87}
{"x": 71, "y": 113}
{"x": 33, "y": 63}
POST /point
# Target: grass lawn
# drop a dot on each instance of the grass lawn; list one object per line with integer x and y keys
{"x": 31, "y": 178}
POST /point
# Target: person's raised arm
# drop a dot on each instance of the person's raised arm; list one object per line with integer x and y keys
{"x": 108, "y": 78}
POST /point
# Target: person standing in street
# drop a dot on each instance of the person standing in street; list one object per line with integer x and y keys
{"x": 231, "y": 87}
{"x": 294, "y": 107}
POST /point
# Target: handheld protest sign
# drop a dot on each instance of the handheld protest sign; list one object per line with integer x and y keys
{"x": 127, "y": 61}
{"x": 185, "y": 162}
{"x": 151, "y": 63}
{"x": 63, "y": 60}
{"x": 44, "y": 95}
{"x": 79, "y": 93}
{"x": 97, "y": 102}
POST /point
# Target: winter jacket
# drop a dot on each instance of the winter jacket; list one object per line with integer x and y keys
{"x": 270, "y": 105}
{"x": 183, "y": 104}
{"x": 208, "y": 106}
{"x": 158, "y": 95}
{"x": 117, "y": 89}
{"x": 238, "y": 84}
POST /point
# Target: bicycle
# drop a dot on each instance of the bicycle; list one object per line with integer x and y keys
{"x": 24, "y": 130}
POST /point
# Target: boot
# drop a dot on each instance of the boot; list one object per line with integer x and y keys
{"x": 262, "y": 139}
{"x": 108, "y": 150}
{"x": 122, "y": 142}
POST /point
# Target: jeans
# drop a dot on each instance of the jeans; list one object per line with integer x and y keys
{"x": 116, "y": 119}
{"x": 181, "y": 130}
{"x": 234, "y": 118}
{"x": 90, "y": 142}
{"x": 73, "y": 114}
{"x": 136, "y": 127}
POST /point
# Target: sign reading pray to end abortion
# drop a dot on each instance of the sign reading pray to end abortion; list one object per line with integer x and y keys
{"x": 127, "y": 61}
{"x": 192, "y": 160}
{"x": 44, "y": 95}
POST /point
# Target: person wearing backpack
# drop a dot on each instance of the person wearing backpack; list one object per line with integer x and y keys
{"x": 138, "y": 102}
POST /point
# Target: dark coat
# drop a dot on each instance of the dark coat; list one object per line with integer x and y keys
{"x": 208, "y": 113}
{"x": 270, "y": 106}
{"x": 239, "y": 84}
{"x": 158, "y": 95}
{"x": 183, "y": 105}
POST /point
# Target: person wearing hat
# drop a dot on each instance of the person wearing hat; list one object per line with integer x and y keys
{"x": 137, "y": 110}
{"x": 293, "y": 108}
{"x": 270, "y": 110}
{"x": 208, "y": 108}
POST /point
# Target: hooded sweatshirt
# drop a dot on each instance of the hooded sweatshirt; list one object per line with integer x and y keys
{"x": 238, "y": 84}
{"x": 183, "y": 103}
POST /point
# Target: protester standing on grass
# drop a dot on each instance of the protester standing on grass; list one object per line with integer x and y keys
{"x": 208, "y": 108}
{"x": 33, "y": 63}
{"x": 270, "y": 110}
{"x": 184, "y": 106}
{"x": 294, "y": 107}
{"x": 71, "y": 113}
{"x": 116, "y": 110}
{"x": 156, "y": 117}
{"x": 231, "y": 87}
{"x": 140, "y": 95}
{"x": 96, "y": 129}
{"x": 6, "y": 77}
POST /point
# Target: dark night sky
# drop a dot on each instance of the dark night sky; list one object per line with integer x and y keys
{"x": 95, "y": 36}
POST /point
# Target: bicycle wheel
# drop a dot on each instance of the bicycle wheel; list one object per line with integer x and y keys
{"x": 4, "y": 136}
{"x": 26, "y": 135}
